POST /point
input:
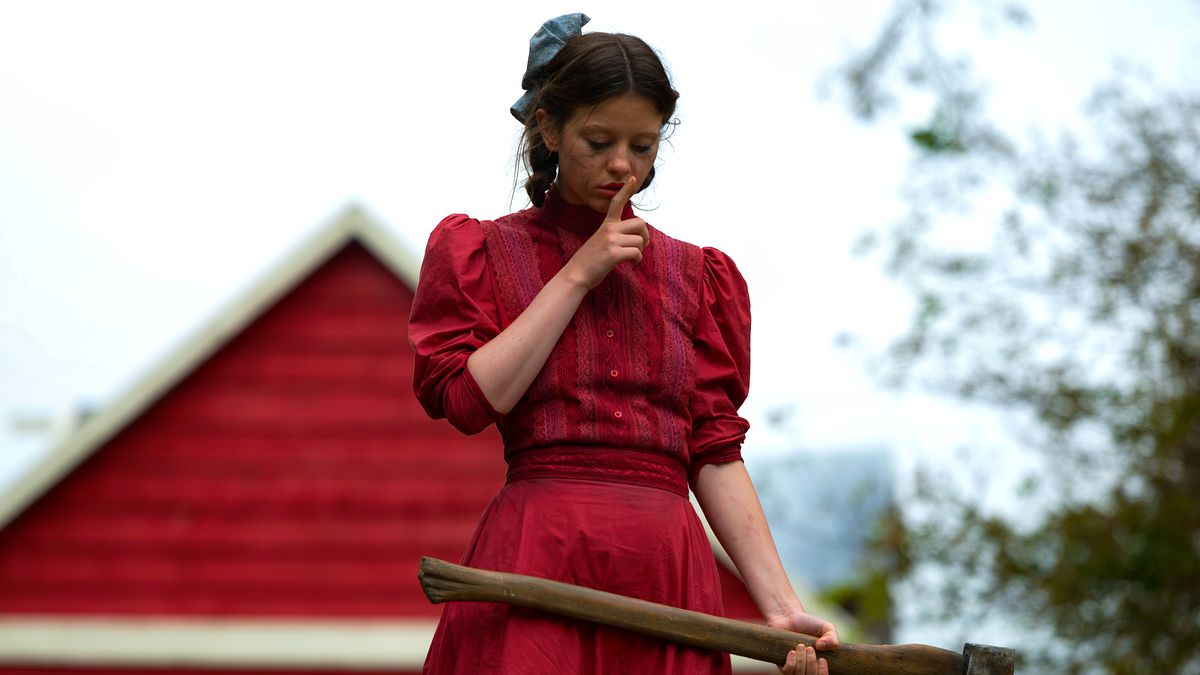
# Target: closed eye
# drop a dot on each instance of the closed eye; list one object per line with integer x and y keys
{"x": 598, "y": 146}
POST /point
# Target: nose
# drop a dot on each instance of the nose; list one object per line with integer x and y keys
{"x": 618, "y": 161}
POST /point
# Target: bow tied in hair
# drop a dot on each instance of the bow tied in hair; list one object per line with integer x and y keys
{"x": 544, "y": 44}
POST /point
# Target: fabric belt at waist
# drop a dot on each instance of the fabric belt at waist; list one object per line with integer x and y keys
{"x": 611, "y": 465}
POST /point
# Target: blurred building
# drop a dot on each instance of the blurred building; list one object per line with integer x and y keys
{"x": 826, "y": 509}
{"x": 259, "y": 500}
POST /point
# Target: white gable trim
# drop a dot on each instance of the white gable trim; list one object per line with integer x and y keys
{"x": 353, "y": 224}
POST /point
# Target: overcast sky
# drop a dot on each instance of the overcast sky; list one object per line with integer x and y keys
{"x": 157, "y": 157}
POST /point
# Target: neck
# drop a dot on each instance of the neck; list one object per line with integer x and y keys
{"x": 566, "y": 215}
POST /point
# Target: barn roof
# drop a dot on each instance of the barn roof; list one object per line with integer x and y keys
{"x": 354, "y": 224}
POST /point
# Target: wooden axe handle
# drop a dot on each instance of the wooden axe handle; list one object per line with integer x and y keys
{"x": 443, "y": 582}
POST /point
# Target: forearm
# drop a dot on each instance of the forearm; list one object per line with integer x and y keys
{"x": 732, "y": 508}
{"x": 506, "y": 366}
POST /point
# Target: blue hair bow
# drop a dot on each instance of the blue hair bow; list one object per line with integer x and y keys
{"x": 544, "y": 44}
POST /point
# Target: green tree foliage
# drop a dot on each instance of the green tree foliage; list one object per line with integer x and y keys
{"x": 1078, "y": 314}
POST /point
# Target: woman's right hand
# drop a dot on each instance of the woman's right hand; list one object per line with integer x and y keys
{"x": 614, "y": 242}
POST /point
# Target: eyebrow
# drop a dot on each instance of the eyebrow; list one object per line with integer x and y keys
{"x": 597, "y": 128}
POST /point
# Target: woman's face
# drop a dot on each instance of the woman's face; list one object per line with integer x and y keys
{"x": 600, "y": 148}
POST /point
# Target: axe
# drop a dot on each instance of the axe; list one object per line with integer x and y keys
{"x": 443, "y": 582}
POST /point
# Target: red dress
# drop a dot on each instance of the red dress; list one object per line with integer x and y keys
{"x": 639, "y": 393}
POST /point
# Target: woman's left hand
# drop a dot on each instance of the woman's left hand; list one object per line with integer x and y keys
{"x": 803, "y": 660}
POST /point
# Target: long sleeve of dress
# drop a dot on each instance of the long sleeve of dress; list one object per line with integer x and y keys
{"x": 722, "y": 346}
{"x": 453, "y": 314}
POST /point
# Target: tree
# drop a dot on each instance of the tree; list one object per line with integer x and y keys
{"x": 1078, "y": 314}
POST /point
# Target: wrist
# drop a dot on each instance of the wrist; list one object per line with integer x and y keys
{"x": 783, "y": 608}
{"x": 573, "y": 280}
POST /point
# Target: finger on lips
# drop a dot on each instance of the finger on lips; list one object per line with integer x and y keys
{"x": 617, "y": 206}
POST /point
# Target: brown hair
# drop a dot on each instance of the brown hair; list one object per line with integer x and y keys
{"x": 590, "y": 69}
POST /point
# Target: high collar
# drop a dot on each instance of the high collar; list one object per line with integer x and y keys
{"x": 578, "y": 218}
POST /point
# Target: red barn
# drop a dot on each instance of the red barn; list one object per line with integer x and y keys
{"x": 259, "y": 500}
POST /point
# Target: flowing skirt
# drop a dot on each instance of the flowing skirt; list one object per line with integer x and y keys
{"x": 634, "y": 540}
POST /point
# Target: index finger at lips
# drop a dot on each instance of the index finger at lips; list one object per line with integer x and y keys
{"x": 617, "y": 205}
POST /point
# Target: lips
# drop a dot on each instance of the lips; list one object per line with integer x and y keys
{"x": 611, "y": 189}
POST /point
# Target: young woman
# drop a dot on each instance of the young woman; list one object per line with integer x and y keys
{"x": 613, "y": 359}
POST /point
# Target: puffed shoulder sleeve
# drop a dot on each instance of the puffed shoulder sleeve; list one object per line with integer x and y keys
{"x": 722, "y": 345}
{"x": 453, "y": 314}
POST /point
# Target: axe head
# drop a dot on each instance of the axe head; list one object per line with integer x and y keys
{"x": 987, "y": 660}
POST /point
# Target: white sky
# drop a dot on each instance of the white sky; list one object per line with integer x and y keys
{"x": 155, "y": 158}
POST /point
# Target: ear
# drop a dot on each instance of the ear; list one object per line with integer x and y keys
{"x": 548, "y": 129}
